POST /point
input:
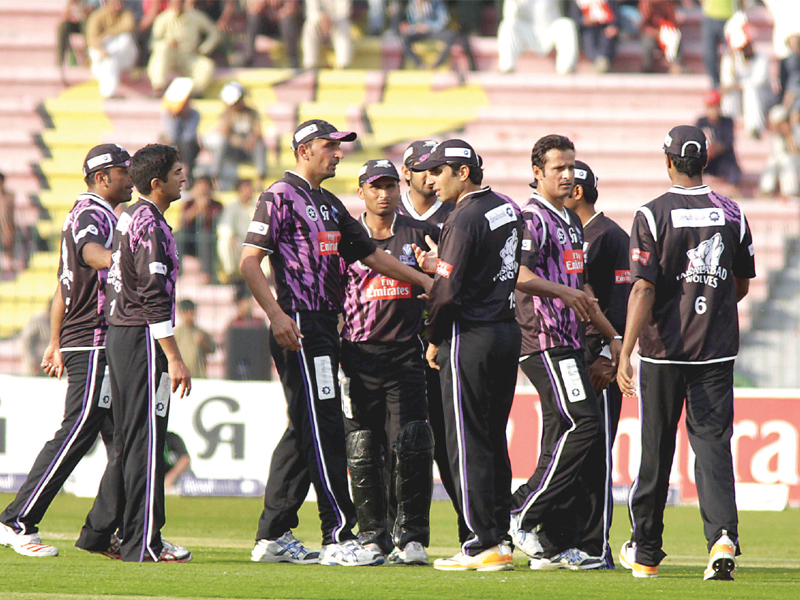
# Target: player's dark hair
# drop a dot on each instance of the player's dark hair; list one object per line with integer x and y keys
{"x": 475, "y": 173}
{"x": 691, "y": 166}
{"x": 589, "y": 193}
{"x": 547, "y": 143}
{"x": 154, "y": 160}
{"x": 89, "y": 180}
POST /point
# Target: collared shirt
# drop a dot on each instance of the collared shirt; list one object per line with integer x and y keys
{"x": 436, "y": 215}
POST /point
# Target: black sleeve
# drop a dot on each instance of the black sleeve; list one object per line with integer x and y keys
{"x": 355, "y": 243}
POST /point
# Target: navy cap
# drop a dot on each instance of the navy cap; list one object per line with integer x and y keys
{"x": 417, "y": 150}
{"x": 686, "y": 141}
{"x": 319, "y": 129}
{"x": 450, "y": 151}
{"x": 104, "y": 156}
{"x": 584, "y": 175}
{"x": 375, "y": 169}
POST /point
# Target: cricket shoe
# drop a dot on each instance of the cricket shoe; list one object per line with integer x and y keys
{"x": 627, "y": 558}
{"x": 497, "y": 558}
{"x": 173, "y": 553}
{"x": 113, "y": 550}
{"x": 721, "y": 562}
{"x": 525, "y": 540}
{"x": 413, "y": 554}
{"x": 350, "y": 554}
{"x": 574, "y": 559}
{"x": 26, "y": 545}
{"x": 285, "y": 549}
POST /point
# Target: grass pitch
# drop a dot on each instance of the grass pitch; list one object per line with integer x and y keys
{"x": 220, "y": 531}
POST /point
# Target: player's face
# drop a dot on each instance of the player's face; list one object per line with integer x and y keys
{"x": 446, "y": 183}
{"x": 381, "y": 196}
{"x": 558, "y": 176}
{"x": 175, "y": 180}
{"x": 120, "y": 185}
{"x": 323, "y": 156}
{"x": 421, "y": 183}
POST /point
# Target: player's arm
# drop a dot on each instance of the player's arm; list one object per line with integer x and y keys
{"x": 578, "y": 300}
{"x": 96, "y": 256}
{"x": 640, "y": 304}
{"x": 52, "y": 362}
{"x": 742, "y": 288}
{"x": 284, "y": 328}
{"x": 179, "y": 373}
{"x": 389, "y": 266}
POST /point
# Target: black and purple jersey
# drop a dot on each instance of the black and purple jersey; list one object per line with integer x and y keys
{"x": 144, "y": 270}
{"x": 691, "y": 243}
{"x": 435, "y": 215}
{"x": 305, "y": 232}
{"x": 552, "y": 248}
{"x": 607, "y": 269}
{"x": 379, "y": 308}
{"x": 478, "y": 264}
{"x": 91, "y": 220}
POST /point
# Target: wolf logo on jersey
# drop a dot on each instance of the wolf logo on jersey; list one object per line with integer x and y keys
{"x": 509, "y": 254}
{"x": 704, "y": 262}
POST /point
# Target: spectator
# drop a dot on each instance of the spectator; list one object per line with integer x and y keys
{"x": 195, "y": 344}
{"x": 791, "y": 90}
{"x": 112, "y": 49}
{"x": 428, "y": 20}
{"x": 712, "y": 33}
{"x": 660, "y": 33}
{"x": 786, "y": 19}
{"x": 75, "y": 14}
{"x": 197, "y": 236}
{"x": 238, "y": 138}
{"x": 182, "y": 40}
{"x": 180, "y": 122}
{"x": 224, "y": 14}
{"x": 232, "y": 228}
{"x": 540, "y": 26}
{"x": 718, "y": 129}
{"x": 599, "y": 26}
{"x": 33, "y": 340}
{"x": 248, "y": 353}
{"x": 327, "y": 16}
{"x": 176, "y": 462}
{"x": 745, "y": 78}
{"x": 780, "y": 175}
{"x": 267, "y": 16}
{"x": 8, "y": 227}
{"x": 144, "y": 28}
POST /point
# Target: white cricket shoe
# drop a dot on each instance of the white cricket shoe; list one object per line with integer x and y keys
{"x": 574, "y": 559}
{"x": 627, "y": 555}
{"x": 498, "y": 558}
{"x": 721, "y": 561}
{"x": 413, "y": 554}
{"x": 525, "y": 540}
{"x": 173, "y": 553}
{"x": 350, "y": 554}
{"x": 26, "y": 545}
{"x": 285, "y": 549}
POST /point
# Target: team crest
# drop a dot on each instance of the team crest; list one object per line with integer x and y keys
{"x": 312, "y": 213}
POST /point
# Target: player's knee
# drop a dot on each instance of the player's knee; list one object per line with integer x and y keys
{"x": 362, "y": 446}
{"x": 414, "y": 437}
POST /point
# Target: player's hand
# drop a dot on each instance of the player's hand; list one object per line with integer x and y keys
{"x": 180, "y": 377}
{"x": 52, "y": 362}
{"x": 601, "y": 373}
{"x": 427, "y": 259}
{"x": 579, "y": 301}
{"x": 616, "y": 349}
{"x": 286, "y": 332}
{"x": 625, "y": 376}
{"x": 430, "y": 354}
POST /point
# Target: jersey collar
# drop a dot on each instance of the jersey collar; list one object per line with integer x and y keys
{"x": 303, "y": 179}
{"x": 592, "y": 218}
{"x": 369, "y": 231}
{"x": 483, "y": 190}
{"x": 563, "y": 213}
{"x": 698, "y": 190}
{"x": 409, "y": 206}
{"x": 98, "y": 199}
{"x": 158, "y": 210}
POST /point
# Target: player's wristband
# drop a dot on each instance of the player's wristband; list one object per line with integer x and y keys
{"x": 616, "y": 337}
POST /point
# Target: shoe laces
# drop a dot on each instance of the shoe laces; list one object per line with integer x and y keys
{"x": 292, "y": 545}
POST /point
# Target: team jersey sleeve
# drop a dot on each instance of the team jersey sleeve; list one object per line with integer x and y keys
{"x": 744, "y": 265}
{"x": 643, "y": 249}
{"x": 91, "y": 226}
{"x": 455, "y": 247}
{"x": 152, "y": 264}
{"x": 264, "y": 230}
{"x": 533, "y": 233}
{"x": 355, "y": 243}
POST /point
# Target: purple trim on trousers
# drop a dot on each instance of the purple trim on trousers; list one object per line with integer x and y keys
{"x": 150, "y": 440}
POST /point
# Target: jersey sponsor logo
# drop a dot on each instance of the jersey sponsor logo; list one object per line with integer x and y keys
{"x": 309, "y": 129}
{"x": 458, "y": 153}
{"x": 323, "y": 210}
{"x": 697, "y": 217}
{"x": 312, "y": 213}
{"x": 508, "y": 255}
{"x": 258, "y": 228}
{"x": 622, "y": 276}
{"x": 573, "y": 261}
{"x": 407, "y": 257}
{"x": 326, "y": 386}
{"x": 443, "y": 268}
{"x": 385, "y": 288}
{"x": 115, "y": 273}
{"x": 329, "y": 242}
{"x": 562, "y": 237}
{"x": 86, "y": 231}
{"x": 500, "y": 215}
{"x": 527, "y": 245}
{"x": 158, "y": 267}
{"x": 638, "y": 255}
{"x": 703, "y": 264}
{"x": 124, "y": 223}
{"x": 573, "y": 382}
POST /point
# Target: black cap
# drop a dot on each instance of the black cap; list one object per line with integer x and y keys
{"x": 584, "y": 175}
{"x": 186, "y": 305}
{"x": 451, "y": 151}
{"x": 686, "y": 141}
{"x": 319, "y": 129}
{"x": 375, "y": 169}
{"x": 417, "y": 150}
{"x": 105, "y": 155}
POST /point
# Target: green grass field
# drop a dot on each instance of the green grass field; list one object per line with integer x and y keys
{"x": 220, "y": 531}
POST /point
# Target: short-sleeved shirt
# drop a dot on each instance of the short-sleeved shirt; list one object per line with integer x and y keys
{"x": 478, "y": 264}
{"x": 607, "y": 269}
{"x": 91, "y": 220}
{"x": 691, "y": 243}
{"x": 379, "y": 308}
{"x": 306, "y": 232}
{"x": 144, "y": 270}
{"x": 552, "y": 248}
{"x": 436, "y": 215}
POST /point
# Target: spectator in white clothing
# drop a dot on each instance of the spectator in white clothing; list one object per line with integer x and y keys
{"x": 232, "y": 229}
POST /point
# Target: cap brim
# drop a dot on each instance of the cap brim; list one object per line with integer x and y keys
{"x": 429, "y": 164}
{"x": 341, "y": 136}
{"x": 381, "y": 176}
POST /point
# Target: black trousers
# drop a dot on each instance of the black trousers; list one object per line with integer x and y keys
{"x": 708, "y": 391}
{"x": 572, "y": 449}
{"x": 478, "y": 376}
{"x": 312, "y": 450}
{"x": 87, "y": 412}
